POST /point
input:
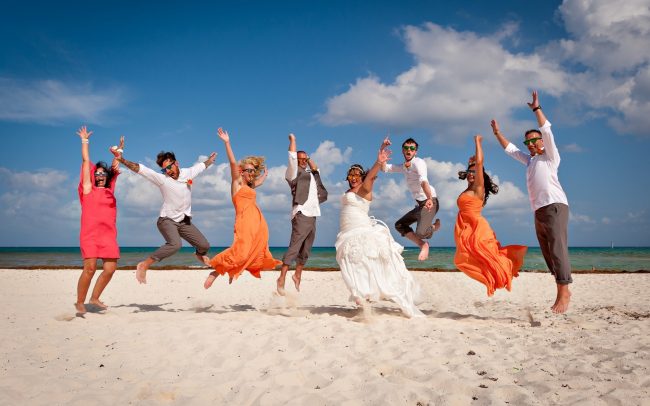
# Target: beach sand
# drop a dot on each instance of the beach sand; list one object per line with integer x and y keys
{"x": 172, "y": 342}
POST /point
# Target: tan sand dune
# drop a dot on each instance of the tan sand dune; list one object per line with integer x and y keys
{"x": 172, "y": 342}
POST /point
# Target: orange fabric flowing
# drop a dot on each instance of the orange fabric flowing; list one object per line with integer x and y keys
{"x": 250, "y": 247}
{"x": 478, "y": 253}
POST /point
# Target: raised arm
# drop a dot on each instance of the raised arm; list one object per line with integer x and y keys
{"x": 235, "y": 173}
{"x": 495, "y": 130}
{"x": 260, "y": 179}
{"x": 365, "y": 190}
{"x": 292, "y": 143}
{"x": 537, "y": 109}
{"x": 292, "y": 167}
{"x": 210, "y": 160}
{"x": 479, "y": 185}
{"x": 117, "y": 152}
{"x": 84, "y": 134}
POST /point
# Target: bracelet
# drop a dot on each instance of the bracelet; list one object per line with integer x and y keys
{"x": 84, "y": 141}
{"x": 537, "y": 108}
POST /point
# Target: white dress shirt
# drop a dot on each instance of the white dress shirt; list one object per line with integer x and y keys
{"x": 541, "y": 171}
{"x": 176, "y": 193}
{"x": 311, "y": 207}
{"x": 415, "y": 175}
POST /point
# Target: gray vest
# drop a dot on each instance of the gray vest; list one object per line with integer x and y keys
{"x": 300, "y": 187}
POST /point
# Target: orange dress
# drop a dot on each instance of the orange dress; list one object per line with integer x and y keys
{"x": 478, "y": 253}
{"x": 250, "y": 247}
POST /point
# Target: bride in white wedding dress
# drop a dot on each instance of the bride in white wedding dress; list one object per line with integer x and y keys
{"x": 370, "y": 260}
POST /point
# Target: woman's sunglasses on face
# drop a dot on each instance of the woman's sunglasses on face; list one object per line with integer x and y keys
{"x": 354, "y": 176}
{"x": 100, "y": 174}
{"x": 409, "y": 147}
{"x": 168, "y": 167}
{"x": 249, "y": 170}
{"x": 531, "y": 141}
{"x": 462, "y": 175}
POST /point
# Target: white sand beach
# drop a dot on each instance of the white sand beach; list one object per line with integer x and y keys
{"x": 172, "y": 342}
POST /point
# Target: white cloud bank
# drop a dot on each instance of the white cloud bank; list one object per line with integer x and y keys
{"x": 461, "y": 79}
{"x": 51, "y": 101}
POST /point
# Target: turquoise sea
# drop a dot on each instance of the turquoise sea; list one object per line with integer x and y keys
{"x": 621, "y": 259}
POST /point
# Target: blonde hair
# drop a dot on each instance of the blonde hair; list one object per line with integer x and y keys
{"x": 256, "y": 161}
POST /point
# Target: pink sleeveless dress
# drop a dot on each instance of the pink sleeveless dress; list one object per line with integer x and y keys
{"x": 98, "y": 235}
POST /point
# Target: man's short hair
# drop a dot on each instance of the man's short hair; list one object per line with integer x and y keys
{"x": 301, "y": 152}
{"x": 163, "y": 156}
{"x": 410, "y": 141}
{"x": 534, "y": 130}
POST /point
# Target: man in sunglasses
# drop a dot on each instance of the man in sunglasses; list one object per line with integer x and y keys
{"x": 547, "y": 199}
{"x": 175, "y": 220}
{"x": 415, "y": 173}
{"x": 307, "y": 193}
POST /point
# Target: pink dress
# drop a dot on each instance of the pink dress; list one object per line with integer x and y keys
{"x": 98, "y": 235}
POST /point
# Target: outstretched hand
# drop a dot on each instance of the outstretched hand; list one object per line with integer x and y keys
{"x": 495, "y": 127}
{"x": 535, "y": 102}
{"x": 211, "y": 159}
{"x": 385, "y": 143}
{"x": 119, "y": 150}
{"x": 384, "y": 155}
{"x": 478, "y": 138}
{"x": 84, "y": 133}
{"x": 292, "y": 137}
{"x": 223, "y": 135}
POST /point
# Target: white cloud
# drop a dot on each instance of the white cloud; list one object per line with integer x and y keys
{"x": 448, "y": 91}
{"x": 580, "y": 218}
{"x": 460, "y": 80}
{"x": 574, "y": 147}
{"x": 327, "y": 156}
{"x": 51, "y": 101}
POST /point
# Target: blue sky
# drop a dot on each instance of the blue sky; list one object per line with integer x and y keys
{"x": 338, "y": 74}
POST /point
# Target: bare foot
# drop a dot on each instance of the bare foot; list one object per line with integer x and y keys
{"x": 436, "y": 225}
{"x": 424, "y": 252}
{"x": 296, "y": 281}
{"x": 203, "y": 259}
{"x": 562, "y": 300}
{"x": 141, "y": 272}
{"x": 81, "y": 309}
{"x": 210, "y": 280}
{"x": 98, "y": 303}
{"x": 280, "y": 284}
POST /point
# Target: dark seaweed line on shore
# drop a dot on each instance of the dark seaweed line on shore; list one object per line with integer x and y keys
{"x": 198, "y": 268}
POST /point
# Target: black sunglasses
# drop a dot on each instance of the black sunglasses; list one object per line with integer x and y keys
{"x": 100, "y": 174}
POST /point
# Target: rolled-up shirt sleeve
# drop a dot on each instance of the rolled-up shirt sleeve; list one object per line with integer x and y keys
{"x": 292, "y": 167}
{"x": 549, "y": 143}
{"x": 516, "y": 153}
{"x": 151, "y": 175}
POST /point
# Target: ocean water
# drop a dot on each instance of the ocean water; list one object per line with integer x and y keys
{"x": 622, "y": 259}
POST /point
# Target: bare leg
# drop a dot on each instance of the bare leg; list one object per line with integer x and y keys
{"x": 281, "y": 279}
{"x": 110, "y": 265}
{"x": 210, "y": 280}
{"x": 90, "y": 265}
{"x": 562, "y": 300}
{"x": 297, "y": 275}
{"x": 141, "y": 269}
{"x": 203, "y": 259}
{"x": 424, "y": 246}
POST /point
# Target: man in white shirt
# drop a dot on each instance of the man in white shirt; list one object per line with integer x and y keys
{"x": 307, "y": 193}
{"x": 175, "y": 220}
{"x": 547, "y": 199}
{"x": 415, "y": 173}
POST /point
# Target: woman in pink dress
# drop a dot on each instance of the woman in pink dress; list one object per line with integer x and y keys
{"x": 98, "y": 236}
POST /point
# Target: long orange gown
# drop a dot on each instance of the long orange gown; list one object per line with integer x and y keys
{"x": 250, "y": 247}
{"x": 478, "y": 252}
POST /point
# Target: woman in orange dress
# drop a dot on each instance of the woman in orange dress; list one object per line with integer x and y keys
{"x": 250, "y": 247}
{"x": 478, "y": 253}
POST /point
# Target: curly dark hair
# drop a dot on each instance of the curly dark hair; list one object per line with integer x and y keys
{"x": 163, "y": 156}
{"x": 410, "y": 141}
{"x": 107, "y": 169}
{"x": 490, "y": 187}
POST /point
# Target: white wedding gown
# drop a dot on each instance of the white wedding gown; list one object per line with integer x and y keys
{"x": 370, "y": 260}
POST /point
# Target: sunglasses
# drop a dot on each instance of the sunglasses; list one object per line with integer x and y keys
{"x": 409, "y": 147}
{"x": 249, "y": 170}
{"x": 531, "y": 141}
{"x": 100, "y": 174}
{"x": 462, "y": 175}
{"x": 168, "y": 167}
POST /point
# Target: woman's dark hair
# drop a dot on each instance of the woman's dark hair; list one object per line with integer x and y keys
{"x": 107, "y": 169}
{"x": 163, "y": 156}
{"x": 490, "y": 187}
